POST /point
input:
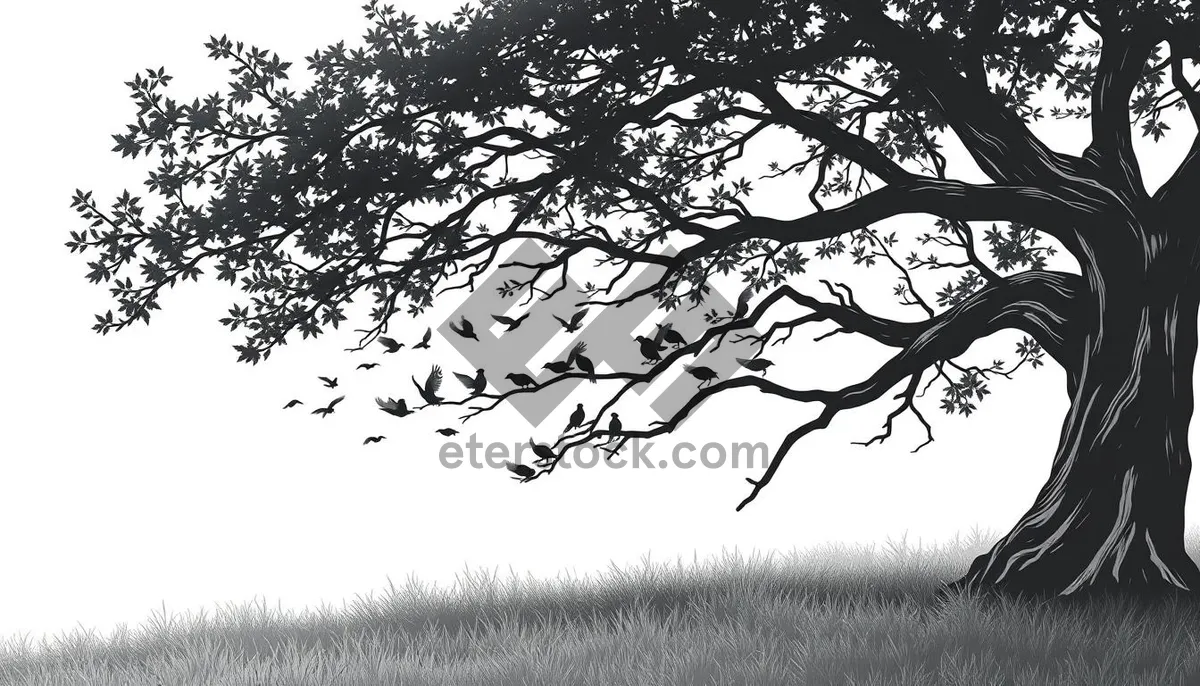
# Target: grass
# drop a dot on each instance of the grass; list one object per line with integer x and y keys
{"x": 831, "y": 615}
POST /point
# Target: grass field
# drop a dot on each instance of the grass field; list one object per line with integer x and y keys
{"x": 834, "y": 615}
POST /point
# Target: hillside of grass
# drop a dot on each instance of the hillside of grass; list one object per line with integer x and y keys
{"x": 830, "y": 615}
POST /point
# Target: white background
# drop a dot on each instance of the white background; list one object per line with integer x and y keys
{"x": 149, "y": 467}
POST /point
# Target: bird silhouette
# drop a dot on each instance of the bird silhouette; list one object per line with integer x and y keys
{"x": 704, "y": 374}
{"x": 755, "y": 365}
{"x": 424, "y": 339}
{"x": 396, "y": 407}
{"x": 464, "y": 329}
{"x": 391, "y": 344}
{"x": 573, "y": 325}
{"x": 510, "y": 323}
{"x": 614, "y": 425}
{"x": 584, "y": 363}
{"x": 650, "y": 349}
{"x": 292, "y": 403}
{"x": 670, "y": 335}
{"x": 742, "y": 308}
{"x": 432, "y": 384}
{"x": 558, "y": 367}
{"x": 521, "y": 380}
{"x": 367, "y": 365}
{"x": 328, "y": 409}
{"x": 544, "y": 453}
{"x": 476, "y": 384}
{"x": 523, "y": 471}
{"x": 373, "y": 439}
{"x": 329, "y": 383}
{"x": 448, "y": 432}
{"x": 577, "y": 418}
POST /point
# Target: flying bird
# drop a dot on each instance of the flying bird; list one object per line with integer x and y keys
{"x": 584, "y": 363}
{"x": 292, "y": 403}
{"x": 432, "y": 384}
{"x": 464, "y": 329}
{"x": 521, "y": 380}
{"x": 558, "y": 367}
{"x": 573, "y": 325}
{"x": 395, "y": 407}
{"x": 328, "y": 409}
{"x": 448, "y": 432}
{"x": 367, "y": 365}
{"x": 523, "y": 471}
{"x": 577, "y": 418}
{"x": 373, "y": 439}
{"x": 704, "y": 375}
{"x": 544, "y": 452}
{"x": 755, "y": 365}
{"x": 650, "y": 349}
{"x": 329, "y": 383}
{"x": 424, "y": 339}
{"x": 670, "y": 335}
{"x": 476, "y": 384}
{"x": 391, "y": 344}
{"x": 509, "y": 322}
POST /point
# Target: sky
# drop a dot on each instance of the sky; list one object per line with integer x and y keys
{"x": 148, "y": 469}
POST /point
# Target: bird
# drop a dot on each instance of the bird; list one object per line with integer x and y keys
{"x": 373, "y": 439}
{"x": 521, "y": 380}
{"x": 329, "y": 383}
{"x": 367, "y": 365}
{"x": 614, "y": 425}
{"x": 509, "y": 322}
{"x": 585, "y": 364}
{"x": 424, "y": 340}
{"x": 544, "y": 452}
{"x": 650, "y": 349}
{"x": 292, "y": 403}
{"x": 476, "y": 384}
{"x": 558, "y": 367}
{"x": 432, "y": 384}
{"x": 670, "y": 335}
{"x": 328, "y": 409}
{"x": 464, "y": 329}
{"x": 396, "y": 407}
{"x": 577, "y": 418}
{"x": 755, "y": 365}
{"x": 523, "y": 471}
{"x": 448, "y": 432}
{"x": 573, "y": 325}
{"x": 391, "y": 344}
{"x": 743, "y": 306}
{"x": 704, "y": 374}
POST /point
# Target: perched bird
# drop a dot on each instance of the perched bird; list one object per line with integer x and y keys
{"x": 396, "y": 407}
{"x": 614, "y": 425}
{"x": 573, "y": 325}
{"x": 650, "y": 349}
{"x": 367, "y": 365}
{"x": 424, "y": 340}
{"x": 329, "y": 383}
{"x": 328, "y": 409}
{"x": 521, "y": 380}
{"x": 509, "y": 322}
{"x": 577, "y": 418}
{"x": 742, "y": 308}
{"x": 448, "y": 432}
{"x": 476, "y": 384}
{"x": 292, "y": 403}
{"x": 464, "y": 329}
{"x": 558, "y": 367}
{"x": 755, "y": 365}
{"x": 523, "y": 471}
{"x": 704, "y": 374}
{"x": 432, "y": 384}
{"x": 373, "y": 439}
{"x": 544, "y": 452}
{"x": 670, "y": 335}
{"x": 579, "y": 360}
{"x": 391, "y": 344}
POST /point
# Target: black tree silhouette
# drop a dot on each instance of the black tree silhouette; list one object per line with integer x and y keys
{"x": 608, "y": 128}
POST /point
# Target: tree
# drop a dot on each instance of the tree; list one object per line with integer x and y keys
{"x": 606, "y": 128}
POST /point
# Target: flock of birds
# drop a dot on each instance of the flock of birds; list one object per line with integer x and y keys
{"x": 476, "y": 384}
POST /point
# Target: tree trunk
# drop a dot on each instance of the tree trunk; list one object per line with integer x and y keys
{"x": 1111, "y": 516}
